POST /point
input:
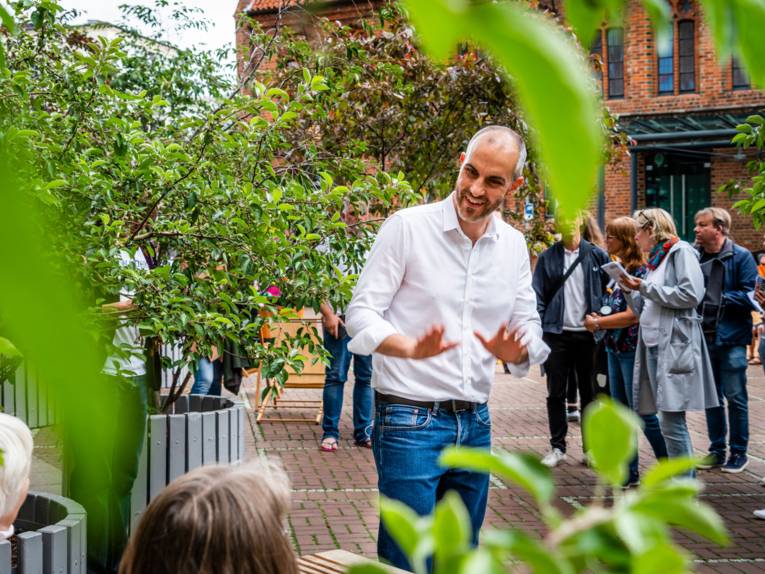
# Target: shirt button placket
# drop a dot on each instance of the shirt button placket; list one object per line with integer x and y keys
{"x": 467, "y": 323}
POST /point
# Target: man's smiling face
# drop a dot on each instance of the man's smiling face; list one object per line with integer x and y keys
{"x": 485, "y": 177}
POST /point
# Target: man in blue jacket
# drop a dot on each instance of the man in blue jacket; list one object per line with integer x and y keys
{"x": 569, "y": 285}
{"x": 730, "y": 274}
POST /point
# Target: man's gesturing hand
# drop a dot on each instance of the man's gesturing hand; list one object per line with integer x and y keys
{"x": 431, "y": 344}
{"x": 505, "y": 345}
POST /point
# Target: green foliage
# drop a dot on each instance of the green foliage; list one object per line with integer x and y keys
{"x": 387, "y": 103}
{"x": 611, "y": 452}
{"x": 751, "y": 135}
{"x": 560, "y": 104}
{"x": 737, "y": 29}
{"x": 135, "y": 144}
{"x": 633, "y": 534}
{"x": 549, "y": 74}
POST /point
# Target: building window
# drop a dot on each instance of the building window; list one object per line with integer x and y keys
{"x": 740, "y": 77}
{"x": 666, "y": 63}
{"x": 676, "y": 62}
{"x": 615, "y": 56}
{"x": 596, "y": 54}
{"x": 686, "y": 43}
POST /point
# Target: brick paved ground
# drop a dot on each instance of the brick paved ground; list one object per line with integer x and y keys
{"x": 335, "y": 493}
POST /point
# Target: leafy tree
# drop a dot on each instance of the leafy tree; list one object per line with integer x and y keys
{"x": 387, "y": 102}
{"x": 751, "y": 135}
{"x": 128, "y": 153}
{"x": 549, "y": 74}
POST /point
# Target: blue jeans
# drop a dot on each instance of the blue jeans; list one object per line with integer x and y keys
{"x": 672, "y": 423}
{"x": 336, "y": 376}
{"x": 207, "y": 377}
{"x": 620, "y": 371}
{"x": 407, "y": 442}
{"x": 729, "y": 368}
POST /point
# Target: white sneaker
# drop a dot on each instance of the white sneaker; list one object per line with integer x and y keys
{"x": 760, "y": 513}
{"x": 553, "y": 458}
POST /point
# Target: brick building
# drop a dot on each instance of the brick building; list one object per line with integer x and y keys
{"x": 681, "y": 106}
{"x": 678, "y": 104}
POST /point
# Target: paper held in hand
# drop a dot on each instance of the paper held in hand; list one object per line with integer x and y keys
{"x": 615, "y": 271}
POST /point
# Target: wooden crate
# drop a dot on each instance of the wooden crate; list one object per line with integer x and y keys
{"x": 312, "y": 377}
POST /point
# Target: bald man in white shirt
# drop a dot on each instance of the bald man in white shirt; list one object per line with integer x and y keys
{"x": 446, "y": 291}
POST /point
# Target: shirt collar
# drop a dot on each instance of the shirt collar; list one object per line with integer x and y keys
{"x": 451, "y": 219}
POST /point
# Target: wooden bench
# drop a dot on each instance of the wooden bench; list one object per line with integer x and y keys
{"x": 336, "y": 561}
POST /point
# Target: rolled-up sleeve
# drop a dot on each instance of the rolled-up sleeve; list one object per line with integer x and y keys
{"x": 525, "y": 318}
{"x": 378, "y": 283}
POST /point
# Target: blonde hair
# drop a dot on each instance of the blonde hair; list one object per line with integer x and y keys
{"x": 661, "y": 223}
{"x": 16, "y": 445}
{"x": 219, "y": 519}
{"x": 720, "y": 218}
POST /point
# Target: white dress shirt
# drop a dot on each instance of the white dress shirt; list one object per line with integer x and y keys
{"x": 127, "y": 337}
{"x": 423, "y": 270}
{"x": 574, "y": 303}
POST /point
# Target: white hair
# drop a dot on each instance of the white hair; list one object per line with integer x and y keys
{"x": 518, "y": 169}
{"x": 16, "y": 445}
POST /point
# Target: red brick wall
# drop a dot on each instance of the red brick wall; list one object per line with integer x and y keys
{"x": 713, "y": 80}
{"x": 300, "y": 20}
{"x": 723, "y": 170}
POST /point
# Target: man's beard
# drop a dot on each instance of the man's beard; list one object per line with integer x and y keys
{"x": 474, "y": 213}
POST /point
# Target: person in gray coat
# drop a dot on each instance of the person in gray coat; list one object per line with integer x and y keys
{"x": 673, "y": 373}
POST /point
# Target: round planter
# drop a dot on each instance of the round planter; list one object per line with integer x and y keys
{"x": 200, "y": 430}
{"x": 51, "y": 539}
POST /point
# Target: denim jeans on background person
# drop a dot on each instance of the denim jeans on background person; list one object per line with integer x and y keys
{"x": 673, "y": 425}
{"x": 406, "y": 442}
{"x": 207, "y": 377}
{"x": 729, "y": 367}
{"x": 334, "y": 382}
{"x": 620, "y": 373}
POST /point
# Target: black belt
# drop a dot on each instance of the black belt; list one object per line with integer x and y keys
{"x": 448, "y": 405}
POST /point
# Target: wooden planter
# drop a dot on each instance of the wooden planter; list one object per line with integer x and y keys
{"x": 200, "y": 430}
{"x": 53, "y": 540}
{"x": 24, "y": 397}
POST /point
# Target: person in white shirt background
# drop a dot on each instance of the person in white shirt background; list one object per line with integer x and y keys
{"x": 446, "y": 291}
{"x": 16, "y": 446}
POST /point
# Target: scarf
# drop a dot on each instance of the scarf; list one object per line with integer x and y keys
{"x": 659, "y": 252}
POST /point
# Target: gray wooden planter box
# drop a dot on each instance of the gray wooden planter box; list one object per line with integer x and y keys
{"x": 54, "y": 537}
{"x": 200, "y": 430}
{"x": 24, "y": 397}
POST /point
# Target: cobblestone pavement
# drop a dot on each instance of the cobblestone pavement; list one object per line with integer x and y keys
{"x": 335, "y": 493}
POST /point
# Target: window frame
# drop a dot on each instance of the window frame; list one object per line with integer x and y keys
{"x": 735, "y": 65}
{"x": 690, "y": 45}
{"x": 668, "y": 56}
{"x": 614, "y": 64}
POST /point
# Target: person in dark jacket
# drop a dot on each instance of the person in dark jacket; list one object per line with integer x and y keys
{"x": 729, "y": 275}
{"x": 563, "y": 300}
